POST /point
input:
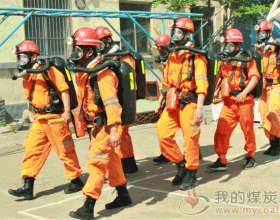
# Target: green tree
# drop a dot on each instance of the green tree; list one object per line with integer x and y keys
{"x": 250, "y": 10}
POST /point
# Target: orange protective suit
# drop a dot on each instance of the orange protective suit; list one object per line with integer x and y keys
{"x": 233, "y": 112}
{"x": 42, "y": 136}
{"x": 269, "y": 103}
{"x": 103, "y": 161}
{"x": 175, "y": 74}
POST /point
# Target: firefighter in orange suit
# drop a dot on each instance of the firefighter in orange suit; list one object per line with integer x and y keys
{"x": 42, "y": 137}
{"x": 103, "y": 161}
{"x": 238, "y": 102}
{"x": 125, "y": 150}
{"x": 162, "y": 39}
{"x": 269, "y": 105}
{"x": 192, "y": 91}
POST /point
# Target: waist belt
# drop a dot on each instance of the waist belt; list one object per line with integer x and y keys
{"x": 192, "y": 97}
{"x": 48, "y": 109}
{"x": 235, "y": 92}
{"x": 269, "y": 82}
{"x": 99, "y": 120}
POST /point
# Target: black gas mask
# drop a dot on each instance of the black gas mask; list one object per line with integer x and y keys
{"x": 24, "y": 61}
{"x": 162, "y": 55}
{"x": 263, "y": 36}
{"x": 108, "y": 44}
{"x": 178, "y": 35}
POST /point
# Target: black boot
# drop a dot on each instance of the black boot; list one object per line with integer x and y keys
{"x": 181, "y": 173}
{"x": 276, "y": 150}
{"x": 189, "y": 181}
{"x": 129, "y": 165}
{"x": 86, "y": 211}
{"x": 26, "y": 191}
{"x": 272, "y": 146}
{"x": 76, "y": 185}
{"x": 125, "y": 166}
{"x": 161, "y": 159}
{"x": 123, "y": 198}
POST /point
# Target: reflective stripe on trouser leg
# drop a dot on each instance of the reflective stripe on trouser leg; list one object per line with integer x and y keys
{"x": 167, "y": 125}
{"x": 61, "y": 141}
{"x": 37, "y": 150}
{"x": 102, "y": 159}
{"x": 191, "y": 133}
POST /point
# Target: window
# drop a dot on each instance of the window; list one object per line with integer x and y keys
{"x": 131, "y": 32}
{"x": 49, "y": 33}
{"x": 203, "y": 35}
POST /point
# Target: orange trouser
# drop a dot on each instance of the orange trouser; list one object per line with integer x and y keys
{"x": 125, "y": 150}
{"x": 41, "y": 138}
{"x": 269, "y": 108}
{"x": 103, "y": 162}
{"x": 230, "y": 115}
{"x": 168, "y": 124}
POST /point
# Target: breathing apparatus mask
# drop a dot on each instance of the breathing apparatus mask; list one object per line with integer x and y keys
{"x": 231, "y": 49}
{"x": 178, "y": 35}
{"x": 25, "y": 61}
{"x": 108, "y": 44}
{"x": 80, "y": 56}
{"x": 161, "y": 54}
{"x": 263, "y": 36}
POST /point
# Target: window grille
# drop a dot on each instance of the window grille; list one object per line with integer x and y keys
{"x": 49, "y": 33}
{"x": 131, "y": 33}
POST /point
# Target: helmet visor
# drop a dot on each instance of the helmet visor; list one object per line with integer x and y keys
{"x": 77, "y": 53}
{"x": 177, "y": 34}
{"x": 23, "y": 59}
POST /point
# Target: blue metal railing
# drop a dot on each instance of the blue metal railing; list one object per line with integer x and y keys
{"x": 15, "y": 29}
{"x": 214, "y": 35}
{"x": 132, "y": 15}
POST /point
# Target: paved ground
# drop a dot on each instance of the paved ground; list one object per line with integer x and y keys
{"x": 234, "y": 194}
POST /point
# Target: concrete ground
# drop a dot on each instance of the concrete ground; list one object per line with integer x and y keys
{"x": 233, "y": 194}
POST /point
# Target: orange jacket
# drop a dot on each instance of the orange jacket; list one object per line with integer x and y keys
{"x": 41, "y": 98}
{"x": 270, "y": 70}
{"x": 226, "y": 70}
{"x": 108, "y": 84}
{"x": 175, "y": 73}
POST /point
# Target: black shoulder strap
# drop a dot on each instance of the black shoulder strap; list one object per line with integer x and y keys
{"x": 33, "y": 87}
{"x": 241, "y": 81}
{"x": 49, "y": 82}
{"x": 191, "y": 66}
{"x": 232, "y": 73}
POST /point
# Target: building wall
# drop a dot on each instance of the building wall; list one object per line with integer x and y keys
{"x": 12, "y": 92}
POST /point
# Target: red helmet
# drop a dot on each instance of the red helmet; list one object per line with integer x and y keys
{"x": 85, "y": 36}
{"x": 163, "y": 39}
{"x": 184, "y": 23}
{"x": 103, "y": 32}
{"x": 233, "y": 35}
{"x": 265, "y": 26}
{"x": 27, "y": 46}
